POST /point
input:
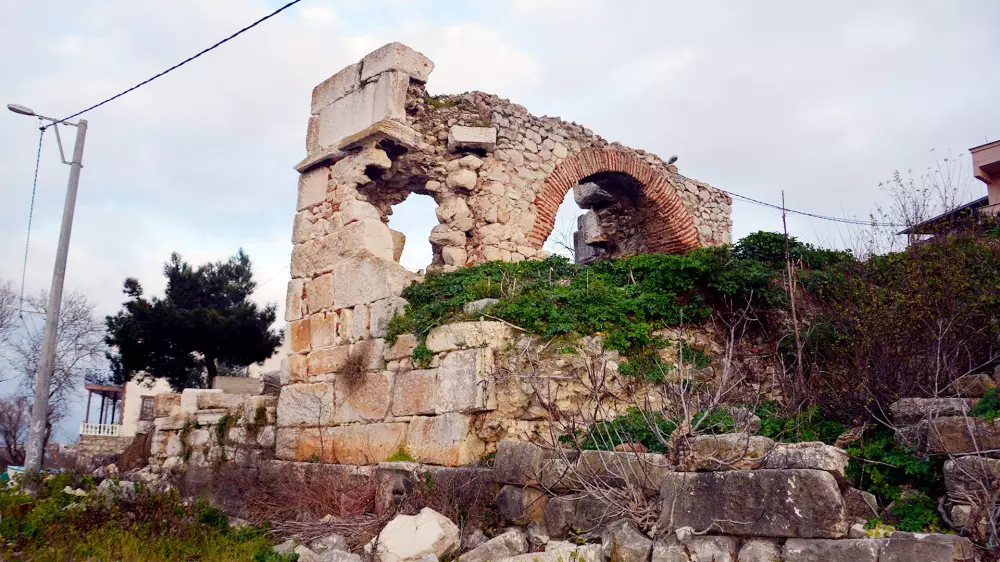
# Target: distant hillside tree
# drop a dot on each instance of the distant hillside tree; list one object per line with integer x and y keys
{"x": 206, "y": 325}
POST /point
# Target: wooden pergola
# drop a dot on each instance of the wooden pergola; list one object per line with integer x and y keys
{"x": 114, "y": 394}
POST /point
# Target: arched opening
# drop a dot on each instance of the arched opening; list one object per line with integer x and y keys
{"x": 561, "y": 241}
{"x": 632, "y": 206}
{"x": 411, "y": 222}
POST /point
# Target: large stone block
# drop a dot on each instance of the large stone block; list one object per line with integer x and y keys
{"x": 524, "y": 463}
{"x": 585, "y": 553}
{"x": 306, "y": 404}
{"x": 813, "y": 455}
{"x": 590, "y": 228}
{"x": 397, "y": 57}
{"x": 219, "y": 401}
{"x": 969, "y": 480}
{"x": 521, "y": 505}
{"x": 364, "y": 399}
{"x": 166, "y": 404}
{"x": 695, "y": 549}
{"x": 584, "y": 515}
{"x": 361, "y": 281}
{"x": 319, "y": 293}
{"x": 297, "y": 370}
{"x": 448, "y": 440}
{"x": 619, "y": 469}
{"x": 256, "y": 408}
{"x": 305, "y": 444}
{"x": 465, "y": 382}
{"x": 769, "y": 503}
{"x": 912, "y": 410}
{"x": 402, "y": 349}
{"x": 759, "y": 550}
{"x": 298, "y": 336}
{"x": 293, "y": 300}
{"x": 910, "y": 547}
{"x": 381, "y": 313}
{"x": 191, "y": 396}
{"x": 312, "y": 187}
{"x": 472, "y": 138}
{"x": 368, "y": 444}
{"x": 589, "y": 195}
{"x": 827, "y": 550}
{"x": 465, "y": 335}
{"x": 426, "y": 535}
{"x": 336, "y": 87}
{"x": 961, "y": 434}
{"x": 328, "y": 360}
{"x": 505, "y": 545}
{"x": 623, "y": 542}
{"x": 323, "y": 329}
{"x": 728, "y": 451}
{"x": 415, "y": 392}
{"x": 973, "y": 385}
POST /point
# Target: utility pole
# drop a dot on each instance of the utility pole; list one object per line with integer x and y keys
{"x": 47, "y": 362}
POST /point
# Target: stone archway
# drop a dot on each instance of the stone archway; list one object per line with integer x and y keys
{"x": 670, "y": 227}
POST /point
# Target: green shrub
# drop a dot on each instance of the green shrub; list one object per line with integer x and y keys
{"x": 987, "y": 407}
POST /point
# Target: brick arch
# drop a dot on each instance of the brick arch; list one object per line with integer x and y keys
{"x": 673, "y": 231}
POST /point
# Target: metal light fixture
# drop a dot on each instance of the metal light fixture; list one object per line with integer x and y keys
{"x": 21, "y": 109}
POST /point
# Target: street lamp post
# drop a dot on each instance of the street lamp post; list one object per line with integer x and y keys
{"x": 47, "y": 361}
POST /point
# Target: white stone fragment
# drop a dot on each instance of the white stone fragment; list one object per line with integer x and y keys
{"x": 399, "y": 57}
{"x": 482, "y": 138}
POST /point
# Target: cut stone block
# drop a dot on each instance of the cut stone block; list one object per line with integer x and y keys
{"x": 306, "y": 404}
{"x": 521, "y": 505}
{"x": 297, "y": 369}
{"x": 359, "y": 322}
{"x": 823, "y": 550}
{"x": 511, "y": 543}
{"x": 728, "y": 451}
{"x": 589, "y": 195}
{"x": 382, "y": 312}
{"x": 398, "y": 57}
{"x": 305, "y": 444}
{"x": 973, "y": 386}
{"x": 382, "y": 99}
{"x": 323, "y": 329}
{"x": 909, "y": 547}
{"x": 969, "y": 479}
{"x": 623, "y": 542}
{"x": 759, "y": 550}
{"x": 585, "y": 553}
{"x": 769, "y": 503}
{"x": 465, "y": 382}
{"x": 961, "y": 434}
{"x": 254, "y": 405}
{"x": 336, "y": 87}
{"x": 387, "y": 130}
{"x": 293, "y": 300}
{"x": 472, "y": 138}
{"x": 696, "y": 549}
{"x": 166, "y": 404}
{"x": 327, "y": 360}
{"x": 319, "y": 293}
{"x": 618, "y": 469}
{"x": 298, "y": 335}
{"x": 912, "y": 410}
{"x": 584, "y": 515}
{"x": 425, "y": 536}
{"x": 464, "y": 335}
{"x": 813, "y": 455}
{"x": 312, "y": 188}
{"x": 523, "y": 463}
{"x": 448, "y": 440}
{"x": 365, "y": 400}
{"x": 368, "y": 444}
{"x": 402, "y": 349}
{"x": 415, "y": 393}
{"x": 219, "y": 401}
{"x": 590, "y": 228}
{"x": 361, "y": 281}
{"x": 190, "y": 398}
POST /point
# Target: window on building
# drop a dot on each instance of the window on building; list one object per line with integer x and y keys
{"x": 146, "y": 411}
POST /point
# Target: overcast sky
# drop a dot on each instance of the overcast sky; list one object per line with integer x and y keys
{"x": 820, "y": 99}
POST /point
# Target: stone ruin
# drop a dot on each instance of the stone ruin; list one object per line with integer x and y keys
{"x": 354, "y": 408}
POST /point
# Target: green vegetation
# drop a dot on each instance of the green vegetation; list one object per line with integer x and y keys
{"x": 987, "y": 407}
{"x": 56, "y": 525}
{"x": 401, "y": 455}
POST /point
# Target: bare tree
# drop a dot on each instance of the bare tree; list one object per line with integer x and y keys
{"x": 79, "y": 352}
{"x": 14, "y": 415}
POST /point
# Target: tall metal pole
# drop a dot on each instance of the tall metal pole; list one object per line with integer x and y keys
{"x": 47, "y": 361}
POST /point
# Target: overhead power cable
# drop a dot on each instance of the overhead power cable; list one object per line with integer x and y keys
{"x": 856, "y": 222}
{"x": 31, "y": 212}
{"x": 178, "y": 65}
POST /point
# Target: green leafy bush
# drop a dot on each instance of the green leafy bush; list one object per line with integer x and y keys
{"x": 987, "y": 407}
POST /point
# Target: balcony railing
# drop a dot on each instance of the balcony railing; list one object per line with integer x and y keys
{"x": 102, "y": 429}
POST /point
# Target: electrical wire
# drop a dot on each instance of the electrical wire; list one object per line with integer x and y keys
{"x": 855, "y": 222}
{"x": 180, "y": 64}
{"x": 31, "y": 213}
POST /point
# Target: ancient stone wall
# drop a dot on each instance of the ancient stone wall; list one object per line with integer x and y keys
{"x": 498, "y": 175}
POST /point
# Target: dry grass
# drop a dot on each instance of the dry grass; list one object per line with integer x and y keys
{"x": 358, "y": 361}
